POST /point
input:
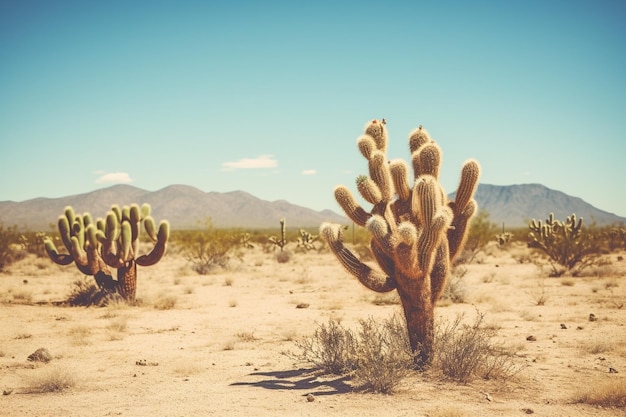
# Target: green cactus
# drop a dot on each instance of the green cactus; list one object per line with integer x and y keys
{"x": 97, "y": 246}
{"x": 283, "y": 236}
{"x": 563, "y": 241}
{"x": 415, "y": 230}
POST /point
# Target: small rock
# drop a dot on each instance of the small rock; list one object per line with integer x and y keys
{"x": 7, "y": 392}
{"x": 612, "y": 370}
{"x": 579, "y": 328}
{"x": 531, "y": 338}
{"x": 592, "y": 317}
{"x": 563, "y": 326}
{"x": 310, "y": 398}
{"x": 488, "y": 397}
{"x": 40, "y": 355}
{"x": 302, "y": 305}
{"x": 528, "y": 410}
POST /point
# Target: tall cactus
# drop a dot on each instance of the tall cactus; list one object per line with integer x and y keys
{"x": 97, "y": 246}
{"x": 416, "y": 231}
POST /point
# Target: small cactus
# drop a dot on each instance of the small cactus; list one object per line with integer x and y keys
{"x": 563, "y": 241}
{"x": 306, "y": 240}
{"x": 282, "y": 242}
{"x": 96, "y": 246}
{"x": 415, "y": 230}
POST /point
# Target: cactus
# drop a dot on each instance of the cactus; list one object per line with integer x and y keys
{"x": 283, "y": 236}
{"x": 416, "y": 231}
{"x": 306, "y": 240}
{"x": 97, "y": 246}
{"x": 563, "y": 241}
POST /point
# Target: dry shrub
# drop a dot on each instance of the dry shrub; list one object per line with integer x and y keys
{"x": 377, "y": 357}
{"x": 464, "y": 351}
{"x": 86, "y": 293}
{"x": 52, "y": 379}
{"x": 79, "y": 335}
{"x": 283, "y": 257}
{"x": 607, "y": 393}
{"x": 165, "y": 302}
{"x": 456, "y": 288}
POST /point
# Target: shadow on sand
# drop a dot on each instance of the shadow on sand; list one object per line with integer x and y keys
{"x": 307, "y": 380}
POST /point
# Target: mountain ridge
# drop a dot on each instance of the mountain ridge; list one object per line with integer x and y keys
{"x": 185, "y": 207}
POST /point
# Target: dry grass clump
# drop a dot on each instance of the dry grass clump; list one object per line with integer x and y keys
{"x": 79, "y": 335}
{"x": 607, "y": 393}
{"x": 52, "y": 379}
{"x": 464, "y": 351}
{"x": 165, "y": 302}
{"x": 116, "y": 328}
{"x": 456, "y": 288}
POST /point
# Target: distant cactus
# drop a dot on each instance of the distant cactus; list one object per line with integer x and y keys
{"x": 96, "y": 246}
{"x": 282, "y": 241}
{"x": 415, "y": 230}
{"x": 564, "y": 242}
{"x": 306, "y": 240}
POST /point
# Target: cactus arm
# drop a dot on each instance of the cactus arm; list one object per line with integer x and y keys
{"x": 53, "y": 253}
{"x": 159, "y": 248}
{"x": 353, "y": 210}
{"x": 370, "y": 278}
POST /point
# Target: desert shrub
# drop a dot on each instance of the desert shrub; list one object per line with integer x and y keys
{"x": 53, "y": 379}
{"x": 331, "y": 348}
{"x": 384, "y": 356}
{"x": 464, "y": 351}
{"x": 85, "y": 292}
{"x": 609, "y": 393}
{"x": 9, "y": 239}
{"x": 615, "y": 238}
{"x": 208, "y": 249}
{"x": 377, "y": 357}
{"x": 565, "y": 243}
{"x": 283, "y": 257}
{"x": 33, "y": 242}
{"x": 456, "y": 288}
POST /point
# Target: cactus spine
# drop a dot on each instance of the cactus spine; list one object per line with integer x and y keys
{"x": 416, "y": 231}
{"x": 113, "y": 242}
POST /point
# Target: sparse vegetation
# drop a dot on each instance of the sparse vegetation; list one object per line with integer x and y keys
{"x": 209, "y": 249}
{"x": 466, "y": 351}
{"x": 565, "y": 243}
{"x": 53, "y": 379}
{"x": 606, "y": 393}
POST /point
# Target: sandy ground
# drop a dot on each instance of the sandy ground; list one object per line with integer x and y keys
{"x": 214, "y": 344}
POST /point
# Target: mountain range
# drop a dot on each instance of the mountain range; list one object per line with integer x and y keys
{"x": 186, "y": 207}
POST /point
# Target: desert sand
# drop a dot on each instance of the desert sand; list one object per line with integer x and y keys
{"x": 201, "y": 345}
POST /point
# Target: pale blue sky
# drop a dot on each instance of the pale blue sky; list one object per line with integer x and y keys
{"x": 200, "y": 92}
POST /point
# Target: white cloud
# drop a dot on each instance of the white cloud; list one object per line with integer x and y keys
{"x": 114, "y": 177}
{"x": 309, "y": 172}
{"x": 262, "y": 161}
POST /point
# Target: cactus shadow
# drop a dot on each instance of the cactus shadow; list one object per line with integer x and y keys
{"x": 304, "y": 379}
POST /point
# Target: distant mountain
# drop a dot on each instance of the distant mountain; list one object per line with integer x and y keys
{"x": 185, "y": 207}
{"x": 516, "y": 205}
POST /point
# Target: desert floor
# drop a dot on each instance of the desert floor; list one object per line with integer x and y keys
{"x": 199, "y": 345}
